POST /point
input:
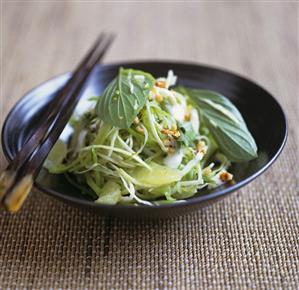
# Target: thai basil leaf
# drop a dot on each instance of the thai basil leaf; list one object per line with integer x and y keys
{"x": 124, "y": 97}
{"x": 225, "y": 123}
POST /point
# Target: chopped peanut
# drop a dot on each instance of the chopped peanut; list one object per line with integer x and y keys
{"x": 159, "y": 98}
{"x": 170, "y": 150}
{"x": 201, "y": 147}
{"x": 161, "y": 84}
{"x": 187, "y": 117}
{"x": 225, "y": 176}
{"x": 166, "y": 131}
{"x": 136, "y": 120}
{"x": 174, "y": 133}
{"x": 140, "y": 129}
{"x": 168, "y": 143}
{"x": 177, "y": 134}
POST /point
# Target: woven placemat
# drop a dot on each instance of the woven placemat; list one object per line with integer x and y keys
{"x": 249, "y": 240}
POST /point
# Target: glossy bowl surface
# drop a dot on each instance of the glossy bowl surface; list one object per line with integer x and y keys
{"x": 262, "y": 113}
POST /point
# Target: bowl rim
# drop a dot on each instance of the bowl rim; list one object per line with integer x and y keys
{"x": 188, "y": 202}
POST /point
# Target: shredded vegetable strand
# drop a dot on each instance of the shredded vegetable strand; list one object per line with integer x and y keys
{"x": 114, "y": 136}
{"x": 130, "y": 154}
{"x": 153, "y": 128}
{"x": 145, "y": 140}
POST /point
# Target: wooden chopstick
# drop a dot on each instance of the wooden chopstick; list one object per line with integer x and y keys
{"x": 17, "y": 180}
{"x": 26, "y": 175}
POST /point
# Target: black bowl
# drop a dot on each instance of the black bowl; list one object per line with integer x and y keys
{"x": 262, "y": 113}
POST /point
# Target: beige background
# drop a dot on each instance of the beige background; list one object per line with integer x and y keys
{"x": 249, "y": 240}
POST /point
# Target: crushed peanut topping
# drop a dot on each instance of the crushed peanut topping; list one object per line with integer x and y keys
{"x": 174, "y": 133}
{"x": 225, "y": 176}
{"x": 169, "y": 144}
{"x": 161, "y": 84}
{"x": 201, "y": 147}
{"x": 170, "y": 150}
{"x": 177, "y": 134}
{"x": 136, "y": 120}
{"x": 187, "y": 117}
{"x": 140, "y": 129}
{"x": 159, "y": 98}
{"x": 166, "y": 131}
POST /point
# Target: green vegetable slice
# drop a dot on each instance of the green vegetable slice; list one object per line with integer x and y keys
{"x": 158, "y": 176}
{"x": 110, "y": 193}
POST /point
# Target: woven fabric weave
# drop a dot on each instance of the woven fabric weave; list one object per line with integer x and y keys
{"x": 249, "y": 240}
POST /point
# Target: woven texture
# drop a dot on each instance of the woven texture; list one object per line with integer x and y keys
{"x": 249, "y": 240}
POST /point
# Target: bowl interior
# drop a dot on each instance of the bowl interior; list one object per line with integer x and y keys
{"x": 260, "y": 110}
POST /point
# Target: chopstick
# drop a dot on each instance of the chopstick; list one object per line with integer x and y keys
{"x": 37, "y": 136}
{"x": 17, "y": 180}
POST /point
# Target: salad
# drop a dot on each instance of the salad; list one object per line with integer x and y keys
{"x": 148, "y": 141}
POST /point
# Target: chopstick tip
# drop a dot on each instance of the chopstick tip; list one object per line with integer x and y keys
{"x": 19, "y": 193}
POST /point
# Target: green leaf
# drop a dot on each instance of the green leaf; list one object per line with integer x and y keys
{"x": 225, "y": 123}
{"x": 124, "y": 97}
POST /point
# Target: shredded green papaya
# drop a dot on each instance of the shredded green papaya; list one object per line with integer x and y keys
{"x": 166, "y": 155}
